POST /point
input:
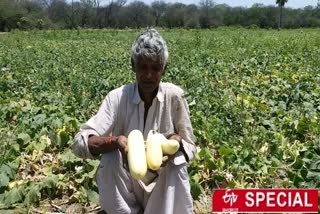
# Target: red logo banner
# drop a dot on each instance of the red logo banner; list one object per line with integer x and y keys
{"x": 265, "y": 200}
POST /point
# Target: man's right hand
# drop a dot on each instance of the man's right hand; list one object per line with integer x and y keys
{"x": 122, "y": 143}
{"x": 99, "y": 145}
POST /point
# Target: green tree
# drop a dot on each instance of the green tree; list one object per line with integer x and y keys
{"x": 57, "y": 12}
{"x": 138, "y": 14}
{"x": 174, "y": 17}
{"x": 158, "y": 8}
{"x": 10, "y": 14}
{"x": 191, "y": 16}
{"x": 205, "y": 18}
{"x": 281, "y": 4}
{"x": 112, "y": 13}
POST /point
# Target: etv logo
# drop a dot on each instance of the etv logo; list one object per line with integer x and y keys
{"x": 230, "y": 198}
{"x": 265, "y": 200}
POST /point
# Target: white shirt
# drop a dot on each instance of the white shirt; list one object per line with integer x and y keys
{"x": 123, "y": 111}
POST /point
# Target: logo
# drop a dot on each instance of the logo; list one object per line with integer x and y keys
{"x": 265, "y": 200}
{"x": 230, "y": 198}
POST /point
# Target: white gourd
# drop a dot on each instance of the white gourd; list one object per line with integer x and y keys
{"x": 154, "y": 150}
{"x": 137, "y": 155}
{"x": 170, "y": 147}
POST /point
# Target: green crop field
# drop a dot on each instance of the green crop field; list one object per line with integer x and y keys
{"x": 254, "y": 97}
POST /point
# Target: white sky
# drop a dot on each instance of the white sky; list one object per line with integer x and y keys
{"x": 249, "y": 3}
{"x": 234, "y": 3}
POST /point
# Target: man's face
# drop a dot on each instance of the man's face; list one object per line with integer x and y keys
{"x": 148, "y": 75}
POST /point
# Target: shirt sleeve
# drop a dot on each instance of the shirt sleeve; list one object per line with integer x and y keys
{"x": 100, "y": 124}
{"x": 183, "y": 126}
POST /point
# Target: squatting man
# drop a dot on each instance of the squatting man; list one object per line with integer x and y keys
{"x": 146, "y": 104}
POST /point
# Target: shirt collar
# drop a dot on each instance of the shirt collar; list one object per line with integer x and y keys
{"x": 136, "y": 99}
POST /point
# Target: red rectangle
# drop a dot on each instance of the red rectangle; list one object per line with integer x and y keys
{"x": 265, "y": 200}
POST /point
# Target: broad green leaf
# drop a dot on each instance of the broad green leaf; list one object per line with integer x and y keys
{"x": 24, "y": 138}
{"x": 196, "y": 178}
{"x": 33, "y": 195}
{"x": 4, "y": 179}
{"x": 196, "y": 189}
{"x": 67, "y": 157}
{"x": 5, "y": 169}
{"x": 315, "y": 165}
{"x": 50, "y": 182}
{"x": 64, "y": 138}
{"x": 14, "y": 195}
{"x": 93, "y": 197}
{"x": 2, "y": 200}
{"x": 210, "y": 164}
{"x": 225, "y": 150}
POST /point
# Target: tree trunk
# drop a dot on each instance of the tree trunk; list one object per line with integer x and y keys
{"x": 280, "y": 17}
{"x": 98, "y": 21}
{"x": 108, "y": 14}
{"x": 157, "y": 20}
{"x": 72, "y": 16}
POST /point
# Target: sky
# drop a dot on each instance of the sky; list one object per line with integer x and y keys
{"x": 235, "y": 3}
{"x": 245, "y": 3}
{"x": 249, "y": 3}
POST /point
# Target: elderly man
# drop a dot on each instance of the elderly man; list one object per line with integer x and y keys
{"x": 145, "y": 104}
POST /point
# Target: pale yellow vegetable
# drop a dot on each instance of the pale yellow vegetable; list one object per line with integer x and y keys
{"x": 170, "y": 147}
{"x": 154, "y": 150}
{"x": 161, "y": 137}
{"x": 137, "y": 155}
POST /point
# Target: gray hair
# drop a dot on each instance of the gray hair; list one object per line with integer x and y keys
{"x": 150, "y": 45}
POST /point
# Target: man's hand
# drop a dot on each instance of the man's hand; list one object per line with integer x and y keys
{"x": 99, "y": 145}
{"x": 166, "y": 158}
{"x": 122, "y": 143}
{"x": 174, "y": 137}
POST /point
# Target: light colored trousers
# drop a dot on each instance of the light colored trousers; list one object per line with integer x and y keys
{"x": 120, "y": 193}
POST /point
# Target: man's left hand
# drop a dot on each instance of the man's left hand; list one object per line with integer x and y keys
{"x": 175, "y": 137}
{"x": 166, "y": 158}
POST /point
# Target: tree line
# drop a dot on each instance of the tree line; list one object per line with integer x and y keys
{"x": 60, "y": 14}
